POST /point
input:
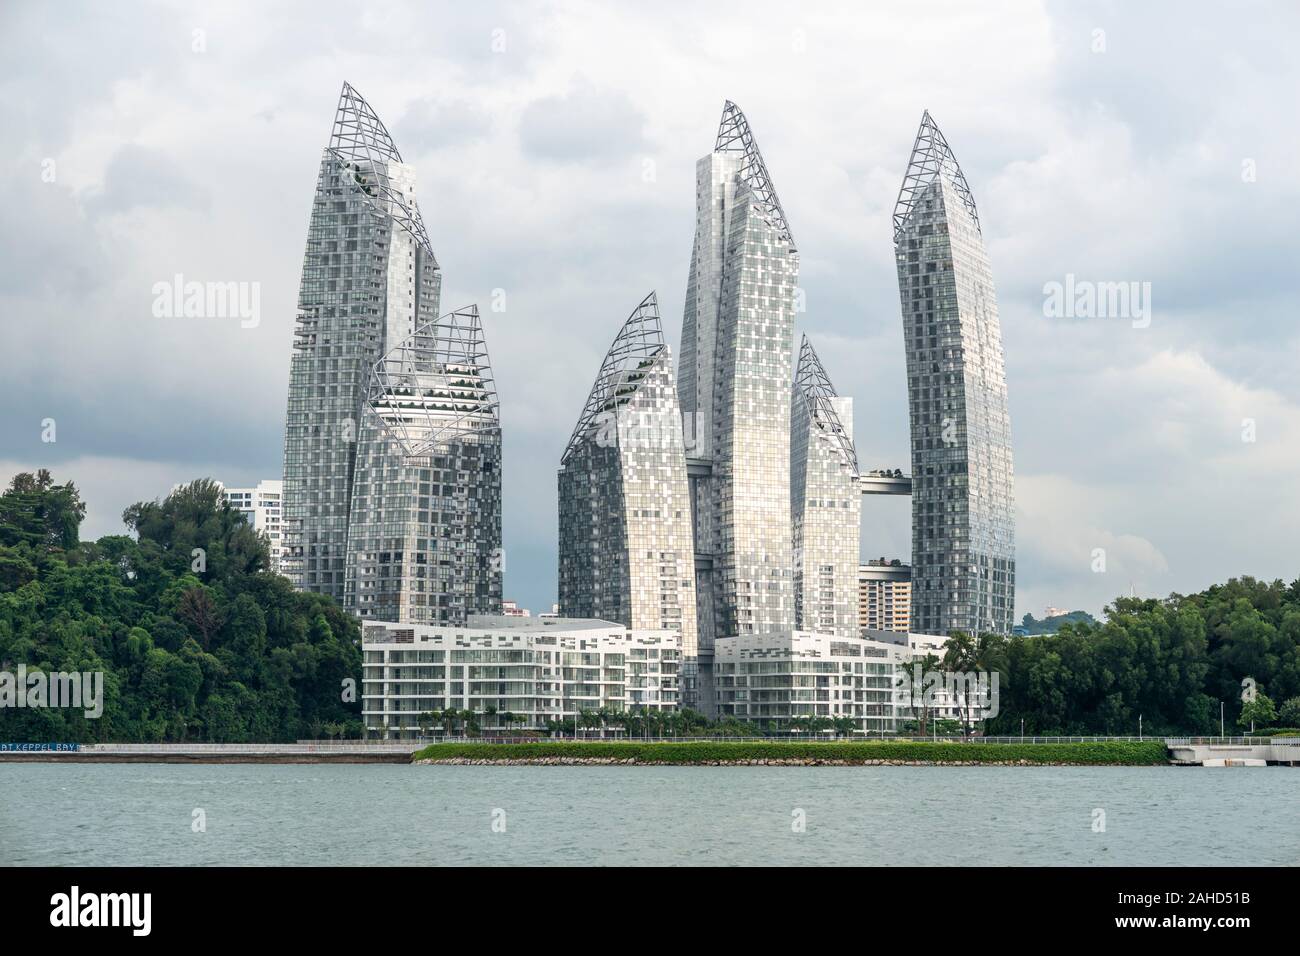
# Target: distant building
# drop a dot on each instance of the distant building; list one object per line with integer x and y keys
{"x": 1050, "y": 611}
{"x": 262, "y": 507}
{"x": 884, "y": 597}
{"x": 546, "y": 615}
{"x": 512, "y": 609}
{"x": 539, "y": 670}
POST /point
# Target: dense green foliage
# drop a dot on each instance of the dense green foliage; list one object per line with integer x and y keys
{"x": 1050, "y": 625}
{"x": 195, "y": 638}
{"x": 1150, "y": 753}
{"x": 1169, "y": 661}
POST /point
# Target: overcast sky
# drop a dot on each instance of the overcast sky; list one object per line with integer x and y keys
{"x": 555, "y": 148}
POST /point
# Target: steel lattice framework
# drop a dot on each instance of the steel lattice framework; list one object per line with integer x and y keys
{"x": 734, "y": 135}
{"x": 931, "y": 158}
{"x": 635, "y": 347}
{"x": 363, "y": 146}
{"x": 437, "y": 385}
{"x": 814, "y": 385}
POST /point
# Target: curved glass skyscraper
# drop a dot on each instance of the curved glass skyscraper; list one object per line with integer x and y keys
{"x": 424, "y": 532}
{"x": 625, "y": 528}
{"x": 734, "y": 383}
{"x": 378, "y": 515}
{"x": 825, "y": 502}
{"x": 963, "y": 507}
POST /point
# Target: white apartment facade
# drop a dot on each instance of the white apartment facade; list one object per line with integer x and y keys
{"x": 261, "y": 507}
{"x": 772, "y": 679}
{"x": 538, "y": 669}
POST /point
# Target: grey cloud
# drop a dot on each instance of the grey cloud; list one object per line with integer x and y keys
{"x": 142, "y": 178}
{"x": 431, "y": 124}
{"x": 583, "y": 126}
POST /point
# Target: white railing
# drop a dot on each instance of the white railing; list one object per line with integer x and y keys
{"x": 301, "y": 747}
{"x": 595, "y": 738}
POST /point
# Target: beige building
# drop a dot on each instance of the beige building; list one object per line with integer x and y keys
{"x": 884, "y": 597}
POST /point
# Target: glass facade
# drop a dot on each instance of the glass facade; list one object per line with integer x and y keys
{"x": 424, "y": 538}
{"x": 736, "y": 375}
{"x": 625, "y": 549}
{"x": 825, "y": 502}
{"x": 963, "y": 508}
{"x": 370, "y": 284}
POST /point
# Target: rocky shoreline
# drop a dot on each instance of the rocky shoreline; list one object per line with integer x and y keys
{"x": 760, "y": 762}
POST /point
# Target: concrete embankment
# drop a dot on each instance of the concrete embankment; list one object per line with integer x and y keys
{"x": 214, "y": 753}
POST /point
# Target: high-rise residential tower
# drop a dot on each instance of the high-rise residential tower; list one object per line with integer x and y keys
{"x": 963, "y": 509}
{"x": 369, "y": 280}
{"x": 825, "y": 502}
{"x": 262, "y": 507}
{"x": 424, "y": 531}
{"x": 626, "y": 552}
{"x": 734, "y": 385}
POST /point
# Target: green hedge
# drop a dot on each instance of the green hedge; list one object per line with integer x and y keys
{"x": 704, "y": 752}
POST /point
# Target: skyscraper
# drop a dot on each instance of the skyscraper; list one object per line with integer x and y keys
{"x": 825, "y": 502}
{"x": 735, "y": 379}
{"x": 369, "y": 280}
{"x": 963, "y": 510}
{"x": 424, "y": 531}
{"x": 626, "y": 552}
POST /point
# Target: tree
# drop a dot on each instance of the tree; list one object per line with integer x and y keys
{"x": 217, "y": 650}
{"x": 1258, "y": 708}
{"x": 1288, "y": 714}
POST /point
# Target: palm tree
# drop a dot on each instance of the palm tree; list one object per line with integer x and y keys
{"x": 490, "y": 711}
{"x": 449, "y": 717}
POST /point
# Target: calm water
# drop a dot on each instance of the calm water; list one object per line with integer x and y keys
{"x": 140, "y": 814}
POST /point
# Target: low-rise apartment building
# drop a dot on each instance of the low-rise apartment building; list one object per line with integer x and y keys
{"x": 535, "y": 669}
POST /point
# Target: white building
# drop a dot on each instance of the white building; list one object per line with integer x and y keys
{"x": 772, "y": 679}
{"x": 536, "y": 669}
{"x": 261, "y": 507}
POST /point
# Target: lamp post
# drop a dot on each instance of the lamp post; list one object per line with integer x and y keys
{"x": 1139, "y": 727}
{"x": 1220, "y": 718}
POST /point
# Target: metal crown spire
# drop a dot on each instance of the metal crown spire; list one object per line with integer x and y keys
{"x": 362, "y": 144}
{"x": 812, "y": 382}
{"x": 734, "y": 135}
{"x": 931, "y": 158}
{"x": 436, "y": 385}
{"x": 638, "y": 343}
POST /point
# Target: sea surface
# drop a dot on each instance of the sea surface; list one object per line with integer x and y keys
{"x": 337, "y": 814}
